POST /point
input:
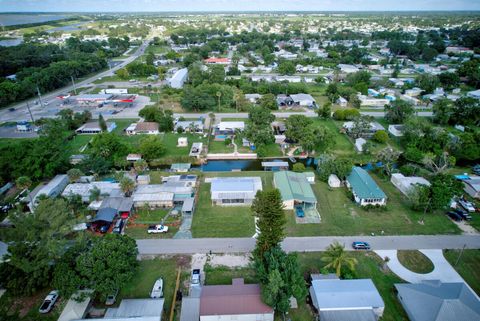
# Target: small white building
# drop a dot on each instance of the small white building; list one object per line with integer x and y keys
{"x": 406, "y": 184}
{"x": 182, "y": 142}
{"x": 348, "y": 68}
{"x": 395, "y": 130}
{"x": 51, "y": 189}
{"x": 178, "y": 79}
{"x": 334, "y": 181}
{"x": 359, "y": 143}
{"x": 342, "y": 102}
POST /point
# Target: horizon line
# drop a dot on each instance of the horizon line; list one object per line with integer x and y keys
{"x": 242, "y": 11}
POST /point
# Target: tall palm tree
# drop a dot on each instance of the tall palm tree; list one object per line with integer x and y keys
{"x": 336, "y": 257}
{"x": 127, "y": 186}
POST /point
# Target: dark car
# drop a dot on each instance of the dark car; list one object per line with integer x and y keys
{"x": 361, "y": 246}
{"x": 104, "y": 228}
{"x": 463, "y": 214}
{"x": 299, "y": 211}
{"x": 454, "y": 216}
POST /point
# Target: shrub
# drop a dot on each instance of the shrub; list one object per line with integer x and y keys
{"x": 381, "y": 136}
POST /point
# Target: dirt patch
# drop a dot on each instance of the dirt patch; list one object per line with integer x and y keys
{"x": 231, "y": 261}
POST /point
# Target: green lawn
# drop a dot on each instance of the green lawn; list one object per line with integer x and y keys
{"x": 77, "y": 143}
{"x": 26, "y": 308}
{"x": 222, "y": 275}
{"x": 216, "y": 147}
{"x": 147, "y": 216}
{"x": 415, "y": 261}
{"x": 341, "y": 216}
{"x": 467, "y": 267}
{"x": 149, "y": 271}
{"x": 138, "y": 232}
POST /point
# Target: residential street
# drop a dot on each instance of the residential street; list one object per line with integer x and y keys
{"x": 306, "y": 244}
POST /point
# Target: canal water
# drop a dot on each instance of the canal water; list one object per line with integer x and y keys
{"x": 245, "y": 165}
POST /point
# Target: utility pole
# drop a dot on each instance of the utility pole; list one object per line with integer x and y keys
{"x": 73, "y": 83}
{"x": 460, "y": 256}
{"x": 39, "y": 96}
{"x": 30, "y": 112}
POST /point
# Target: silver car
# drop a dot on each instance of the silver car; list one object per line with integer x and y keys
{"x": 49, "y": 302}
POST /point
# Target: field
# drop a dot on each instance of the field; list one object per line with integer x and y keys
{"x": 341, "y": 216}
{"x": 467, "y": 267}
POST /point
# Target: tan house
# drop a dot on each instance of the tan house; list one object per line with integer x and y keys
{"x": 148, "y": 128}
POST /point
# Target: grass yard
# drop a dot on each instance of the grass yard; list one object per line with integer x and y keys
{"x": 75, "y": 145}
{"x": 137, "y": 229}
{"x": 341, "y": 216}
{"x": 149, "y": 271}
{"x": 147, "y": 216}
{"x": 467, "y": 267}
{"x": 220, "y": 221}
{"x": 216, "y": 147}
{"x": 140, "y": 232}
{"x": 415, "y": 261}
{"x": 26, "y": 308}
{"x": 222, "y": 275}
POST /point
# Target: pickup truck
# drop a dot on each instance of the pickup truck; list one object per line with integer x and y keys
{"x": 159, "y": 228}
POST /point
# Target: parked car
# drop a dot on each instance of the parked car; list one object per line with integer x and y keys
{"x": 463, "y": 214}
{"x": 5, "y": 208}
{"x": 454, "y": 216}
{"x": 111, "y": 298}
{"x": 361, "y": 246}
{"x": 299, "y": 211}
{"x": 195, "y": 277}
{"x": 157, "y": 291}
{"x": 49, "y": 302}
{"x": 159, "y": 228}
{"x": 117, "y": 229}
{"x": 466, "y": 205}
{"x": 104, "y": 228}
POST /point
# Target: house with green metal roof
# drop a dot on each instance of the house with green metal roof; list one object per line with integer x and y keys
{"x": 295, "y": 189}
{"x": 365, "y": 190}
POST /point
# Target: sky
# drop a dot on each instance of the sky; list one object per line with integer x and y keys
{"x": 233, "y": 5}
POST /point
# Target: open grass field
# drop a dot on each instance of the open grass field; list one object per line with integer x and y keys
{"x": 222, "y": 275}
{"x": 415, "y": 261}
{"x": 341, "y": 216}
{"x": 467, "y": 267}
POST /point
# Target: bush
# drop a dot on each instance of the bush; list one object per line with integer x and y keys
{"x": 339, "y": 114}
{"x": 298, "y": 167}
{"x": 228, "y": 141}
{"x": 381, "y": 136}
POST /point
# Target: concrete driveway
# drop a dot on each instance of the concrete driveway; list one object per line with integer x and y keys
{"x": 442, "y": 270}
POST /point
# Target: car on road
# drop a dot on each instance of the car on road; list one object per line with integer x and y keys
{"x": 361, "y": 245}
{"x": 11, "y": 109}
{"x": 195, "y": 277}
{"x": 49, "y": 302}
{"x": 299, "y": 211}
{"x": 111, "y": 298}
{"x": 157, "y": 290}
{"x": 466, "y": 205}
{"x": 159, "y": 228}
{"x": 454, "y": 216}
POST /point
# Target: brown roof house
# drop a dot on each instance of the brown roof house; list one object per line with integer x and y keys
{"x": 149, "y": 128}
{"x": 239, "y": 301}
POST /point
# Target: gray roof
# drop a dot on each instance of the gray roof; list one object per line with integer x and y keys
{"x": 190, "y": 309}
{"x": 121, "y": 204}
{"x": 345, "y": 294}
{"x": 437, "y": 301}
{"x": 3, "y": 250}
{"x": 348, "y": 315}
{"x": 106, "y": 214}
{"x": 139, "y": 308}
{"x": 187, "y": 205}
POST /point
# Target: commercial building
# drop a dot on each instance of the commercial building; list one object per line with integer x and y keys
{"x": 295, "y": 189}
{"x": 234, "y": 191}
{"x": 365, "y": 190}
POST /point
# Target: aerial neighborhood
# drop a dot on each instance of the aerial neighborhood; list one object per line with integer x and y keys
{"x": 224, "y": 160}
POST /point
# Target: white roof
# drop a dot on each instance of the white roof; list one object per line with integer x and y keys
{"x": 153, "y": 197}
{"x": 235, "y": 187}
{"x": 83, "y": 189}
{"x": 302, "y": 97}
{"x": 231, "y": 125}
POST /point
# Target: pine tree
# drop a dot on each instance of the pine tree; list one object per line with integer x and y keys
{"x": 102, "y": 123}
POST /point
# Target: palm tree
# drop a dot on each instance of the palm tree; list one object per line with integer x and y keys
{"x": 140, "y": 166}
{"x": 74, "y": 174}
{"x": 127, "y": 186}
{"x": 336, "y": 257}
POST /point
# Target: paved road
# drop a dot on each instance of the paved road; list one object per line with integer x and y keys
{"x": 307, "y": 244}
{"x": 21, "y": 108}
{"x": 287, "y": 114}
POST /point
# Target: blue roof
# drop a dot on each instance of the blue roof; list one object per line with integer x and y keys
{"x": 363, "y": 185}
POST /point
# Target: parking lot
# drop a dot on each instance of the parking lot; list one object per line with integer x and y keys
{"x": 10, "y": 131}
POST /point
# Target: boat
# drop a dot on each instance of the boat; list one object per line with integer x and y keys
{"x": 292, "y": 159}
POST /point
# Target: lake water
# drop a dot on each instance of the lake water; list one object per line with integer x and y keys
{"x": 72, "y": 27}
{"x": 9, "y": 19}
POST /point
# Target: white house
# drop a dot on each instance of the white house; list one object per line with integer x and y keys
{"x": 94, "y": 128}
{"x": 364, "y": 189}
{"x": 348, "y": 68}
{"x": 234, "y": 191}
{"x": 406, "y": 184}
{"x": 178, "y": 78}
{"x": 51, "y": 189}
{"x": 303, "y": 100}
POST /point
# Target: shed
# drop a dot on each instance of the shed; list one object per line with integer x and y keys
{"x": 334, "y": 181}
{"x": 188, "y": 206}
{"x": 182, "y": 142}
{"x": 75, "y": 310}
{"x": 359, "y": 143}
